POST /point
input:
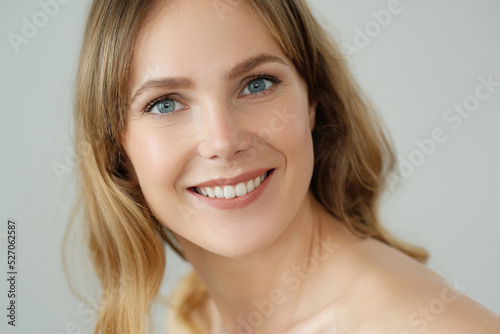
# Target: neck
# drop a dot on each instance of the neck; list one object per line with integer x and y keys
{"x": 263, "y": 290}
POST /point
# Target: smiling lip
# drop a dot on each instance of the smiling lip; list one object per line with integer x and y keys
{"x": 238, "y": 201}
{"x": 234, "y": 180}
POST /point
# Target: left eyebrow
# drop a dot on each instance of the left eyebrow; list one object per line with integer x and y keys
{"x": 185, "y": 83}
{"x": 251, "y": 63}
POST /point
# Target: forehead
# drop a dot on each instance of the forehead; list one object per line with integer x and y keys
{"x": 190, "y": 37}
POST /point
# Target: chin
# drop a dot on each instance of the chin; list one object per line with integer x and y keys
{"x": 242, "y": 239}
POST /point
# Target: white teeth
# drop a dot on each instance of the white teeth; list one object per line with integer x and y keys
{"x": 228, "y": 192}
{"x": 257, "y": 181}
{"x": 250, "y": 186}
{"x": 241, "y": 189}
{"x": 219, "y": 193}
{"x": 210, "y": 192}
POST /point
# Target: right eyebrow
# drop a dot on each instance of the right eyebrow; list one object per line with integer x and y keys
{"x": 167, "y": 83}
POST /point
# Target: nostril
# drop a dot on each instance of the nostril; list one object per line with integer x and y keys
{"x": 226, "y": 148}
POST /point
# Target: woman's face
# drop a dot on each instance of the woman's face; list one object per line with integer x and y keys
{"x": 219, "y": 128}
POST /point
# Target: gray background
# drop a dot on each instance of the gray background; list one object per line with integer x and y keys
{"x": 427, "y": 59}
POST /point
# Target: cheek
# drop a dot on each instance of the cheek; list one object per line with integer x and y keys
{"x": 297, "y": 141}
{"x": 292, "y": 129}
{"x": 156, "y": 163}
{"x": 288, "y": 132}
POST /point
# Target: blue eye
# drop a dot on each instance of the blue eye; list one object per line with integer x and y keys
{"x": 164, "y": 106}
{"x": 257, "y": 85}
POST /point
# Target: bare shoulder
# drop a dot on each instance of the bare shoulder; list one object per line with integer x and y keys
{"x": 174, "y": 325}
{"x": 201, "y": 318}
{"x": 395, "y": 294}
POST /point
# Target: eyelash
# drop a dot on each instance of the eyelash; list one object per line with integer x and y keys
{"x": 269, "y": 77}
{"x": 151, "y": 104}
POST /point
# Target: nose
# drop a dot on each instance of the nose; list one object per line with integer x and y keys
{"x": 223, "y": 133}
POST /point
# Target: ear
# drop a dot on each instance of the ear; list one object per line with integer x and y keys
{"x": 312, "y": 113}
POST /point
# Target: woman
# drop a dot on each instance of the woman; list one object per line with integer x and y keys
{"x": 233, "y": 131}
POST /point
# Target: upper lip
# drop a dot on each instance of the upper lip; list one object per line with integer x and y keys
{"x": 233, "y": 180}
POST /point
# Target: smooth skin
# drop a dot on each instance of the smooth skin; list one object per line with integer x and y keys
{"x": 212, "y": 95}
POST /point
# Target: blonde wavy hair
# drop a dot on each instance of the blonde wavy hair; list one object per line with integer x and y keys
{"x": 352, "y": 156}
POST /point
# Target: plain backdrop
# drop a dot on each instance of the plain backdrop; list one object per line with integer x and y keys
{"x": 415, "y": 66}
